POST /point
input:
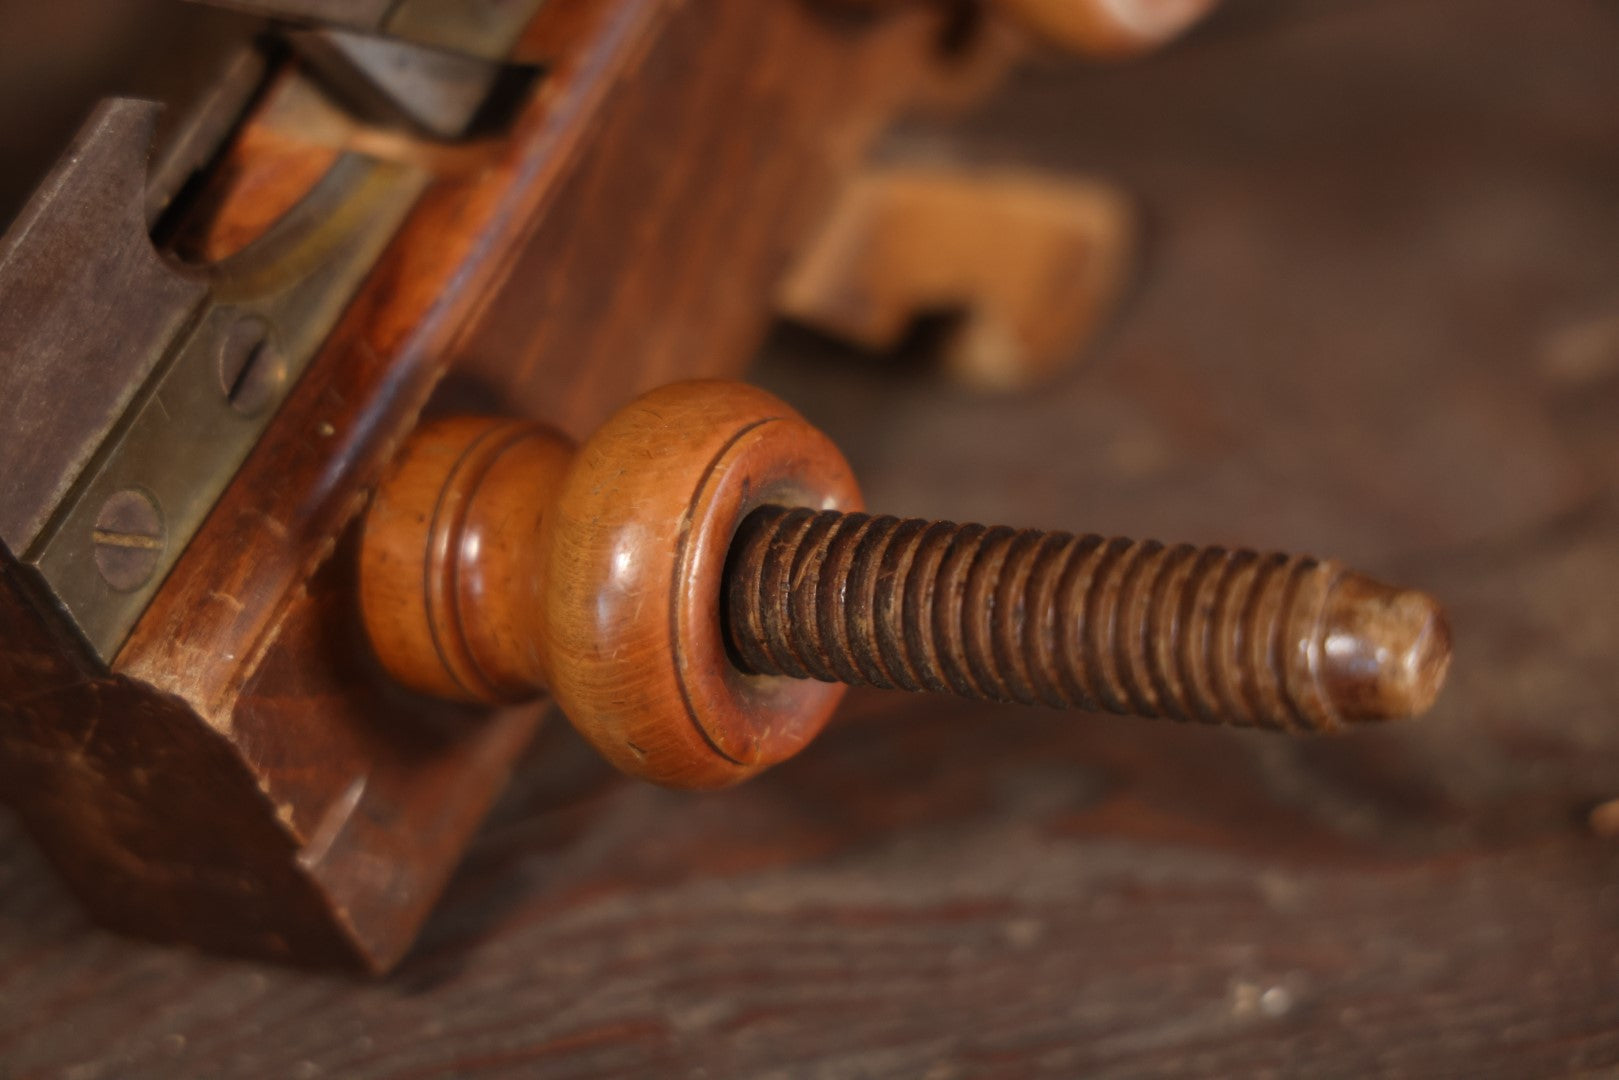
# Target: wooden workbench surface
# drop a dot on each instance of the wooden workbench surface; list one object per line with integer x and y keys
{"x": 1378, "y": 318}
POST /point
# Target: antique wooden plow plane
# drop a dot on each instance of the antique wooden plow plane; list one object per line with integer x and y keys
{"x": 380, "y": 397}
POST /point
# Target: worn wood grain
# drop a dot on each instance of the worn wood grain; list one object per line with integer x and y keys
{"x": 1380, "y": 319}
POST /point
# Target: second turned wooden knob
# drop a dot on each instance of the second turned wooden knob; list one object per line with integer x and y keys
{"x": 696, "y": 583}
{"x": 1106, "y": 29}
{"x": 1109, "y": 28}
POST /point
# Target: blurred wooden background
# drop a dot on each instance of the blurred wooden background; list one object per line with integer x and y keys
{"x": 1378, "y": 318}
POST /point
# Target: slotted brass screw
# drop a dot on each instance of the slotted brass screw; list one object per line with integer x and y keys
{"x": 128, "y": 539}
{"x": 999, "y": 614}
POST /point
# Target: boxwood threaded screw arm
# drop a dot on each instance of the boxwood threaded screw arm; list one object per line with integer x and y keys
{"x": 1037, "y": 618}
{"x": 695, "y": 585}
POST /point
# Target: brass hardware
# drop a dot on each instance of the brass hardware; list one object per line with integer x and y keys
{"x": 136, "y": 374}
{"x": 168, "y": 397}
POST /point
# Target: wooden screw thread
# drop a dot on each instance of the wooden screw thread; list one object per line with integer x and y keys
{"x": 1087, "y": 622}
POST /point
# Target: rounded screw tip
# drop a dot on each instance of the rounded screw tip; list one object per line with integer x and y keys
{"x": 1385, "y": 651}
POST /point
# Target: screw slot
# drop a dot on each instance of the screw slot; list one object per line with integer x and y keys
{"x": 129, "y": 539}
{"x": 252, "y": 370}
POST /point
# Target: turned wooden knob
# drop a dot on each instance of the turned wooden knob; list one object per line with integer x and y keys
{"x": 498, "y": 561}
{"x": 695, "y": 585}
